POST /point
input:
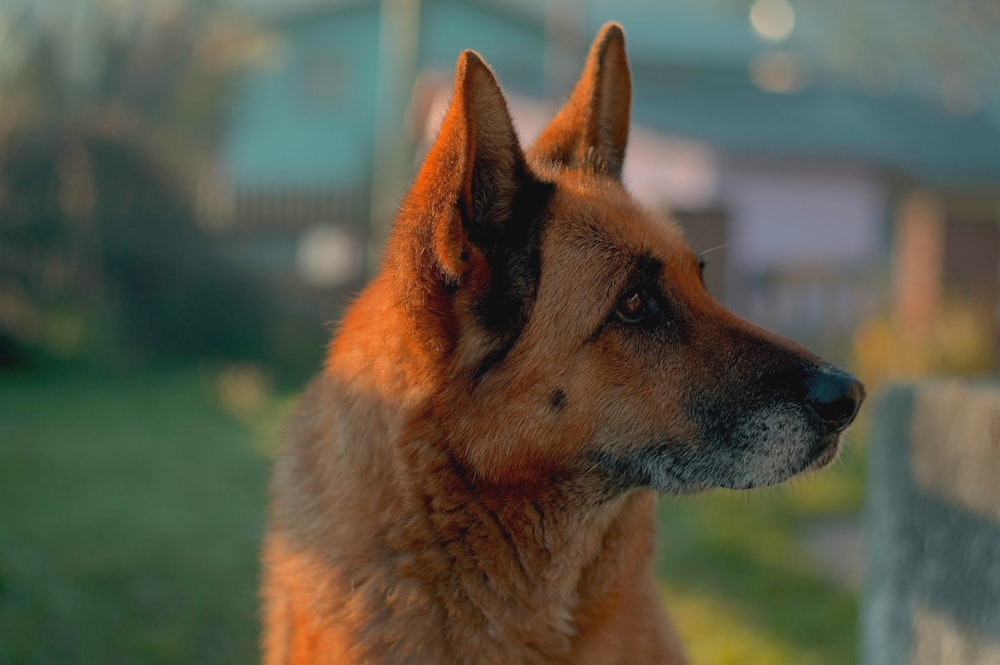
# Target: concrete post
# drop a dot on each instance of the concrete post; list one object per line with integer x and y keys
{"x": 932, "y": 526}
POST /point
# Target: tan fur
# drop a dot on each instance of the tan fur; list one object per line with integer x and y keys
{"x": 442, "y": 497}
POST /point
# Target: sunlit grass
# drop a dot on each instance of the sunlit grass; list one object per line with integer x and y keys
{"x": 739, "y": 583}
{"x": 131, "y": 513}
{"x": 718, "y": 632}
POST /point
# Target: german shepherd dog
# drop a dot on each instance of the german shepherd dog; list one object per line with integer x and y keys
{"x": 472, "y": 477}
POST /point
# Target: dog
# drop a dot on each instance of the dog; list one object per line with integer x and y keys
{"x": 472, "y": 477}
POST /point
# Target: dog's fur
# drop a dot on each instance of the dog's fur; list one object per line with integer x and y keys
{"x": 472, "y": 477}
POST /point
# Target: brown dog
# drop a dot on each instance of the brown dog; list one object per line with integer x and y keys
{"x": 472, "y": 477}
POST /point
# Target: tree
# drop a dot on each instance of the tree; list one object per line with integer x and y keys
{"x": 110, "y": 111}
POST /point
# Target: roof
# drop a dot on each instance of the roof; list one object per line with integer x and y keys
{"x": 866, "y": 90}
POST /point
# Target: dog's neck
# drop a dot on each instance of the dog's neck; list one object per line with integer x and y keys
{"x": 532, "y": 562}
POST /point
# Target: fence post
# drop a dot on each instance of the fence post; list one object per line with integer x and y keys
{"x": 932, "y": 526}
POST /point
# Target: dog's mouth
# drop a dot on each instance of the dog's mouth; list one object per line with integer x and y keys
{"x": 658, "y": 466}
{"x": 770, "y": 447}
{"x": 751, "y": 456}
{"x": 827, "y": 452}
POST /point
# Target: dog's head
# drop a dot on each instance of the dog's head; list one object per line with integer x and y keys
{"x": 574, "y": 325}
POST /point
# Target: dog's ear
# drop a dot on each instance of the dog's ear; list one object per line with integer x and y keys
{"x": 591, "y": 130}
{"x": 470, "y": 222}
{"x": 473, "y": 171}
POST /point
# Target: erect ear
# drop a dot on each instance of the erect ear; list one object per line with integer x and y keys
{"x": 475, "y": 184}
{"x": 591, "y": 130}
{"x": 470, "y": 222}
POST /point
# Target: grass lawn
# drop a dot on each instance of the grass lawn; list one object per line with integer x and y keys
{"x": 738, "y": 583}
{"x": 131, "y": 516}
{"x": 131, "y": 511}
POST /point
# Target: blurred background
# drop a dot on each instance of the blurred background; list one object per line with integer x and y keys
{"x": 190, "y": 191}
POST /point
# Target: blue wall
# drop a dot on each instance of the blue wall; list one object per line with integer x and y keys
{"x": 307, "y": 120}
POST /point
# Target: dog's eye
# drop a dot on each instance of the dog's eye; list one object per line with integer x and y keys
{"x": 636, "y": 307}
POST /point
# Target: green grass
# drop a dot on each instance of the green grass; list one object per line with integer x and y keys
{"x": 738, "y": 583}
{"x": 131, "y": 514}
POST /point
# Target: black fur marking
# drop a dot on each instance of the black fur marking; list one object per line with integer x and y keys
{"x": 647, "y": 270}
{"x": 510, "y": 244}
{"x": 509, "y": 235}
{"x": 558, "y": 399}
{"x": 492, "y": 359}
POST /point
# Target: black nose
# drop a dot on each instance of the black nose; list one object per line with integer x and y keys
{"x": 835, "y": 397}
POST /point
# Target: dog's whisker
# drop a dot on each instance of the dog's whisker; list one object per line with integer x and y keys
{"x": 708, "y": 251}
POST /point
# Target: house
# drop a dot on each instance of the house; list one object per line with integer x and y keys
{"x": 758, "y": 144}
